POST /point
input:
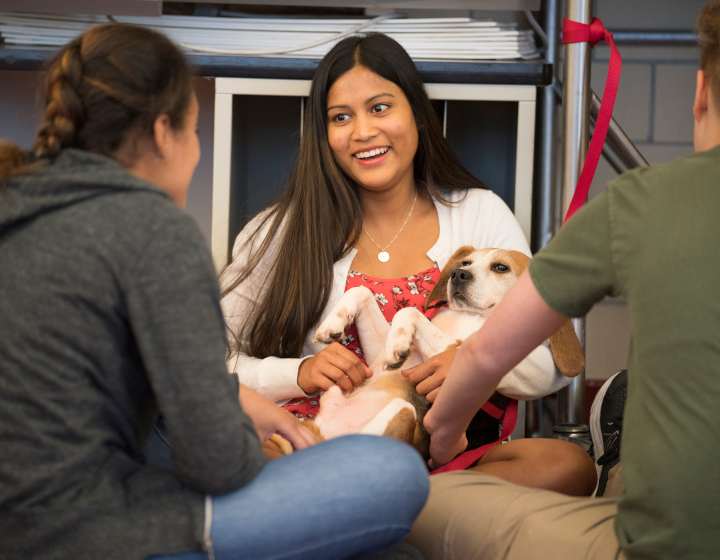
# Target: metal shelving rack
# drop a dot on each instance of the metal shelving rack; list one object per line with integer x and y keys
{"x": 502, "y": 81}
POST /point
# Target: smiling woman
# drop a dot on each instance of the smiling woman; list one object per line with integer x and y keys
{"x": 377, "y": 198}
{"x": 373, "y": 135}
{"x": 332, "y": 194}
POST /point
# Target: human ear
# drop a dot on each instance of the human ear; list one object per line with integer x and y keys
{"x": 700, "y": 106}
{"x": 700, "y": 111}
{"x": 162, "y": 135}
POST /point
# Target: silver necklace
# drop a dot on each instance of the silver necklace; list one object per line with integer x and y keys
{"x": 383, "y": 254}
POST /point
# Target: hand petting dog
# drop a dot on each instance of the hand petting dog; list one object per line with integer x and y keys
{"x": 429, "y": 376}
{"x": 334, "y": 365}
{"x": 269, "y": 419}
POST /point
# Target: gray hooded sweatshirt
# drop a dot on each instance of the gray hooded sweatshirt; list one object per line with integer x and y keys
{"x": 109, "y": 313}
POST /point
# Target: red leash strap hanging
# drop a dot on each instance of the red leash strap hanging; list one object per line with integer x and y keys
{"x": 574, "y": 32}
{"x": 464, "y": 460}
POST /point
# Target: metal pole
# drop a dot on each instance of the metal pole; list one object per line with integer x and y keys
{"x": 656, "y": 38}
{"x": 618, "y": 141}
{"x": 618, "y": 149}
{"x": 546, "y": 204}
{"x": 546, "y": 220}
{"x": 576, "y": 127}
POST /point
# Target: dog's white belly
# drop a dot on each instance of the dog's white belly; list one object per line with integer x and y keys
{"x": 346, "y": 414}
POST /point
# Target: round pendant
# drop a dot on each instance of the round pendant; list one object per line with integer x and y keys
{"x": 383, "y": 256}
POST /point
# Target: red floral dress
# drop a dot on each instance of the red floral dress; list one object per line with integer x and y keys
{"x": 391, "y": 295}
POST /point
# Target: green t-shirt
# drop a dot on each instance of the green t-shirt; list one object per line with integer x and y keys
{"x": 654, "y": 239}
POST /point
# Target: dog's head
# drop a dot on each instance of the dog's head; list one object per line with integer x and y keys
{"x": 475, "y": 281}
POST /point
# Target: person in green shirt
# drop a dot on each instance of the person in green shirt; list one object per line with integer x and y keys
{"x": 653, "y": 239}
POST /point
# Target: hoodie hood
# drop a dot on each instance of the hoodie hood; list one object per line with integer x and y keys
{"x": 72, "y": 177}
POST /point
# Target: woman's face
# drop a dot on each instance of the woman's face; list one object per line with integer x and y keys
{"x": 372, "y": 130}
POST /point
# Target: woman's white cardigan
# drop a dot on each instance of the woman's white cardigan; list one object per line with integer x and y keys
{"x": 477, "y": 217}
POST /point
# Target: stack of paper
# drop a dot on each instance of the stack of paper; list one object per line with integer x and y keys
{"x": 426, "y": 38}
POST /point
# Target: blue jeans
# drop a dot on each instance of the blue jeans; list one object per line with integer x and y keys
{"x": 347, "y": 497}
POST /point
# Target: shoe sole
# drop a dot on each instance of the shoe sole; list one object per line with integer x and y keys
{"x": 595, "y": 428}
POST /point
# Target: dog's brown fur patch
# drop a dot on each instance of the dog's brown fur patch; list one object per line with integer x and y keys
{"x": 396, "y": 385}
{"x": 454, "y": 345}
{"x": 401, "y": 427}
{"x": 310, "y": 425}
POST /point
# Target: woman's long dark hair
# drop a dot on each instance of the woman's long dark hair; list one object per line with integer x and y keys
{"x": 103, "y": 88}
{"x": 318, "y": 217}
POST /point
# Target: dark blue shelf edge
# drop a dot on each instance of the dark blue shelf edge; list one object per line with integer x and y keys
{"x": 531, "y": 72}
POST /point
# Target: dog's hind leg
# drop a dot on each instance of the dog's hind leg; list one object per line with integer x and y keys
{"x": 411, "y": 328}
{"x": 357, "y": 305}
{"x": 276, "y": 445}
{"x": 397, "y": 420}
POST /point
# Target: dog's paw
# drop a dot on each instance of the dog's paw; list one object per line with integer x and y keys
{"x": 333, "y": 328}
{"x": 397, "y": 348}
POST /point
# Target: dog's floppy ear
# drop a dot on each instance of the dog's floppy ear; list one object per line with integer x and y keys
{"x": 519, "y": 260}
{"x": 440, "y": 289}
{"x": 566, "y": 350}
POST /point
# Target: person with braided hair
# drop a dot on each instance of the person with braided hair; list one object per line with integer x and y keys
{"x": 110, "y": 315}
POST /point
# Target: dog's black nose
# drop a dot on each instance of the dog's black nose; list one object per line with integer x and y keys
{"x": 460, "y": 276}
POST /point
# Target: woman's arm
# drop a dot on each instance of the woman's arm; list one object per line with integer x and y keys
{"x": 172, "y": 298}
{"x": 279, "y": 378}
{"x": 521, "y": 322}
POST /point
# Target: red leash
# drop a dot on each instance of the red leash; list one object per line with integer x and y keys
{"x": 575, "y": 32}
{"x": 464, "y": 460}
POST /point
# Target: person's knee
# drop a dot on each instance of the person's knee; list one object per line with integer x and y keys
{"x": 396, "y": 469}
{"x": 550, "y": 464}
{"x": 572, "y": 471}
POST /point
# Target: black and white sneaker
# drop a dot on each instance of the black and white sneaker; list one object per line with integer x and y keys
{"x": 606, "y": 418}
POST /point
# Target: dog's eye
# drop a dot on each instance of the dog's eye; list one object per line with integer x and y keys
{"x": 501, "y": 268}
{"x": 466, "y": 263}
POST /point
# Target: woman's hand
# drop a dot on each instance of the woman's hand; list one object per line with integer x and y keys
{"x": 334, "y": 365}
{"x": 446, "y": 441}
{"x": 429, "y": 376}
{"x": 270, "y": 419}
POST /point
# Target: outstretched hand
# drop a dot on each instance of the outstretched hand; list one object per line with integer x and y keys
{"x": 334, "y": 365}
{"x": 430, "y": 375}
{"x": 446, "y": 443}
{"x": 270, "y": 419}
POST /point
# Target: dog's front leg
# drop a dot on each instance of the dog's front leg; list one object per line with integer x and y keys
{"x": 357, "y": 305}
{"x": 411, "y": 328}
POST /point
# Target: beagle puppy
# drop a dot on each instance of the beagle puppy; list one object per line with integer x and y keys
{"x": 472, "y": 284}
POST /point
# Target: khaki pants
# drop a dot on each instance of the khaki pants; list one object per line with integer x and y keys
{"x": 475, "y": 516}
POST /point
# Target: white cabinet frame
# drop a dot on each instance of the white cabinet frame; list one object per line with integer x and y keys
{"x": 225, "y": 88}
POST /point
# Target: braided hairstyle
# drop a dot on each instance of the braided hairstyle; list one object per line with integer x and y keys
{"x": 708, "y": 32}
{"x": 103, "y": 91}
